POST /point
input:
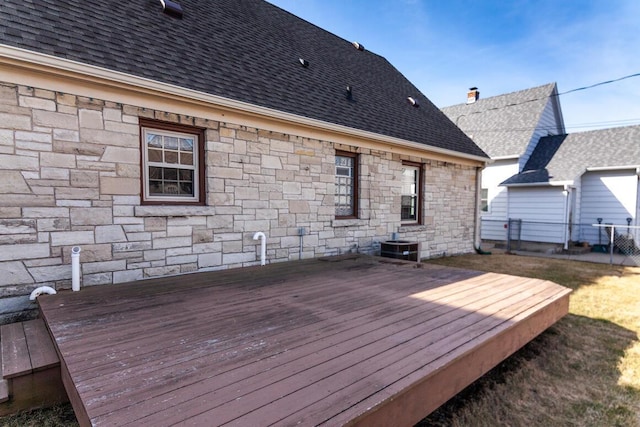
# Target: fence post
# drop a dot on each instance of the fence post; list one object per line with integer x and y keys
{"x": 611, "y": 243}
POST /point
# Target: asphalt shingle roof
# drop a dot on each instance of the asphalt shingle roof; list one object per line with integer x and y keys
{"x": 567, "y": 157}
{"x": 503, "y": 125}
{"x": 245, "y": 50}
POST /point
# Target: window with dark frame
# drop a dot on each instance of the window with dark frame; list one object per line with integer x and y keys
{"x": 346, "y": 188}
{"x": 411, "y": 199}
{"x": 172, "y": 163}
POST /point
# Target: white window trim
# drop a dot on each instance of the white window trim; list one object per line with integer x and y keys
{"x": 145, "y": 166}
{"x": 418, "y": 195}
{"x": 488, "y": 211}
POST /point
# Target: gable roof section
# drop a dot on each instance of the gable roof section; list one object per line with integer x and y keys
{"x": 504, "y": 125}
{"x": 564, "y": 158}
{"x": 241, "y": 50}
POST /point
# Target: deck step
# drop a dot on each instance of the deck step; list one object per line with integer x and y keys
{"x": 26, "y": 347}
{"x": 4, "y": 391}
{"x": 30, "y": 368}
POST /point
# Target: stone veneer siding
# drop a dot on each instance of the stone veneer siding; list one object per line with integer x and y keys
{"x": 70, "y": 175}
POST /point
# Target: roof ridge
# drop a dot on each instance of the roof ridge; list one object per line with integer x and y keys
{"x": 481, "y": 101}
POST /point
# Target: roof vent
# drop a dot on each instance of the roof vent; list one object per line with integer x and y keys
{"x": 358, "y": 46}
{"x": 413, "y": 101}
{"x": 171, "y": 8}
{"x": 349, "y": 92}
{"x": 304, "y": 62}
{"x": 473, "y": 95}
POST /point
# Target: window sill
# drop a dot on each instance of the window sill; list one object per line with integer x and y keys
{"x": 174, "y": 211}
{"x": 352, "y": 222}
{"x": 412, "y": 228}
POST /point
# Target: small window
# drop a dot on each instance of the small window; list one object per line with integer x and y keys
{"x": 484, "y": 200}
{"x": 172, "y": 163}
{"x": 346, "y": 192}
{"x": 410, "y": 199}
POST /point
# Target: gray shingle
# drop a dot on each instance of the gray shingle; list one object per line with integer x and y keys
{"x": 503, "y": 125}
{"x": 243, "y": 50}
{"x": 567, "y": 157}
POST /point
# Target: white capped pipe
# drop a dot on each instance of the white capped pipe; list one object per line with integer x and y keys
{"x": 263, "y": 246}
{"x": 41, "y": 290}
{"x": 75, "y": 268}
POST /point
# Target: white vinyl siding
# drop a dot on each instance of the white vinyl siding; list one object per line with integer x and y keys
{"x": 610, "y": 195}
{"x": 542, "y": 211}
{"x": 548, "y": 125}
{"x": 495, "y": 218}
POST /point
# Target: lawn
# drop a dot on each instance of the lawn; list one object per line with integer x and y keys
{"x": 583, "y": 371}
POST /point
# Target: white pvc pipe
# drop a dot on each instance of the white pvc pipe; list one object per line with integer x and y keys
{"x": 41, "y": 290}
{"x": 75, "y": 268}
{"x": 263, "y": 246}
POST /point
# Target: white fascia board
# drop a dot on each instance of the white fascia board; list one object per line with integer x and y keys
{"x": 510, "y": 157}
{"x": 542, "y": 184}
{"x": 118, "y": 78}
{"x": 612, "y": 168}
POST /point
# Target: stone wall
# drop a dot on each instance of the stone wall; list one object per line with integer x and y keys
{"x": 70, "y": 175}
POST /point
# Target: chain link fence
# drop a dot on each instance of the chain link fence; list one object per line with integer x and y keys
{"x": 573, "y": 238}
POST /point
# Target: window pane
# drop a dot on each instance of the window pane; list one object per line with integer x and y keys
{"x": 343, "y": 171}
{"x": 154, "y": 140}
{"x": 171, "y": 187}
{"x": 170, "y": 143}
{"x": 186, "y": 144}
{"x": 155, "y": 187}
{"x": 170, "y": 174}
{"x": 155, "y": 173}
{"x": 344, "y": 161}
{"x": 155, "y": 156}
{"x": 186, "y": 158}
{"x": 408, "y": 209}
{"x": 171, "y": 157}
{"x": 186, "y": 175}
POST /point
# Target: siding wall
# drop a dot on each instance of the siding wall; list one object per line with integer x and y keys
{"x": 548, "y": 125}
{"x": 612, "y": 196}
{"x": 493, "y": 221}
{"x": 70, "y": 175}
{"x": 542, "y": 211}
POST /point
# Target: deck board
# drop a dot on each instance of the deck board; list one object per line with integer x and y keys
{"x": 15, "y": 353}
{"x": 41, "y": 350}
{"x": 308, "y": 342}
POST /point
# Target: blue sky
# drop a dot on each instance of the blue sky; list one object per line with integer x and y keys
{"x": 446, "y": 46}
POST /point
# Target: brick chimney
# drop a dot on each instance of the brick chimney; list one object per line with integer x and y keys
{"x": 473, "y": 95}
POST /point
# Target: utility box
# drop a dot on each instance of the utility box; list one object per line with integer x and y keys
{"x": 399, "y": 249}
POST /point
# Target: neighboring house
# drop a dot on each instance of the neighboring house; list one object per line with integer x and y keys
{"x": 507, "y": 127}
{"x": 160, "y": 144}
{"x": 571, "y": 181}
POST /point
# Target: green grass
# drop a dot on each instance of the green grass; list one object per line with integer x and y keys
{"x": 58, "y": 416}
{"x": 583, "y": 371}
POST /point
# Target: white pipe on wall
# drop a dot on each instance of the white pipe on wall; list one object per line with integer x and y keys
{"x": 41, "y": 290}
{"x": 263, "y": 246}
{"x": 75, "y": 268}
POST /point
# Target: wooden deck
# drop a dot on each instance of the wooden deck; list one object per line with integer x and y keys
{"x": 338, "y": 341}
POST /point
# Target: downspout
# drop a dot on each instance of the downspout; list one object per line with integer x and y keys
{"x": 301, "y": 233}
{"x": 75, "y": 268}
{"x": 263, "y": 246}
{"x": 478, "y": 220}
{"x": 567, "y": 196}
{"x": 41, "y": 290}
